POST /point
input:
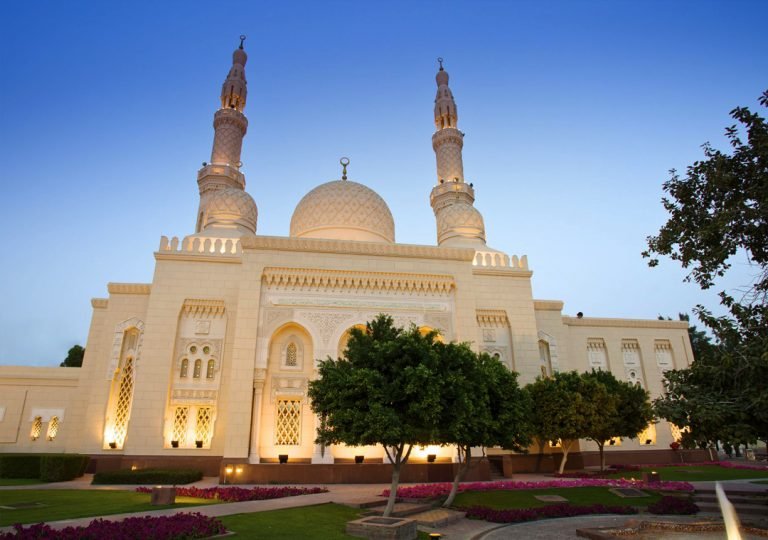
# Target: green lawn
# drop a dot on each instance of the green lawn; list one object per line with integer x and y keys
{"x": 524, "y": 498}
{"x": 75, "y": 503}
{"x": 697, "y": 473}
{"x": 326, "y": 521}
{"x": 19, "y": 481}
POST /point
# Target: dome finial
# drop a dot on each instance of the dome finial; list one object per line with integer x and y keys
{"x": 344, "y": 162}
{"x": 242, "y": 39}
{"x": 440, "y": 61}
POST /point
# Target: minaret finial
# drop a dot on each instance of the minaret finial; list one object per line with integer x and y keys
{"x": 440, "y": 61}
{"x": 344, "y": 162}
{"x": 242, "y": 39}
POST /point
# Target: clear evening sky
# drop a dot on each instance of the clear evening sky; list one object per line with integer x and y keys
{"x": 573, "y": 114}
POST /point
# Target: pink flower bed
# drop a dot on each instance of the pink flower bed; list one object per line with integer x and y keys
{"x": 238, "y": 494}
{"x": 749, "y": 466}
{"x": 551, "y": 511}
{"x": 176, "y": 527}
{"x": 425, "y": 491}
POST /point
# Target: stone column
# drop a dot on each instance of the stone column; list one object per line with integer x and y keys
{"x": 258, "y": 391}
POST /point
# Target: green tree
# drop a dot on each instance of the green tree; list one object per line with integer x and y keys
{"x": 385, "y": 390}
{"x": 625, "y": 411}
{"x": 719, "y": 210}
{"x": 701, "y": 342}
{"x": 482, "y": 406}
{"x": 74, "y": 357}
{"x": 566, "y": 404}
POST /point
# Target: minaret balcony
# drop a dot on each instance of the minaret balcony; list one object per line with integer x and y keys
{"x": 450, "y": 189}
{"x": 221, "y": 173}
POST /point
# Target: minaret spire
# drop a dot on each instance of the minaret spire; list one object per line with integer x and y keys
{"x": 458, "y": 222}
{"x": 230, "y": 126}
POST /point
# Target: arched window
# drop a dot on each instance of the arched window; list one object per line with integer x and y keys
{"x": 121, "y": 391}
{"x": 209, "y": 371}
{"x": 198, "y": 368}
{"x": 291, "y": 355}
{"x": 545, "y": 359}
{"x": 184, "y": 368}
{"x": 53, "y": 428}
{"x": 37, "y": 427}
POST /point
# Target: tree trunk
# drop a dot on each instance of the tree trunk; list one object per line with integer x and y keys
{"x": 393, "y": 488}
{"x": 601, "y": 447}
{"x": 462, "y": 470}
{"x": 540, "y": 457}
{"x": 565, "y": 455}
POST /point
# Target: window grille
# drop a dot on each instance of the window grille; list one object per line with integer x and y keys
{"x": 204, "y": 425}
{"x": 209, "y": 372}
{"x": 124, "y": 398}
{"x": 647, "y": 437}
{"x": 291, "y": 355}
{"x": 53, "y": 427}
{"x": 184, "y": 368}
{"x": 37, "y": 427}
{"x": 180, "y": 416}
{"x": 677, "y": 432}
{"x": 288, "y": 428}
{"x": 198, "y": 368}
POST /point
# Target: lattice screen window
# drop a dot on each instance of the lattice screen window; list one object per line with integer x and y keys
{"x": 288, "y": 422}
{"x": 37, "y": 428}
{"x": 291, "y": 355}
{"x": 204, "y": 425}
{"x": 664, "y": 355}
{"x": 596, "y": 354}
{"x": 647, "y": 437}
{"x": 53, "y": 428}
{"x": 613, "y": 441}
{"x": 180, "y": 416}
{"x": 124, "y": 399}
{"x": 677, "y": 433}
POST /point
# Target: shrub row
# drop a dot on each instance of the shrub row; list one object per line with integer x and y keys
{"x": 148, "y": 476}
{"x": 673, "y": 505}
{"x": 550, "y": 511}
{"x": 238, "y": 494}
{"x": 175, "y": 527}
{"x": 46, "y": 467}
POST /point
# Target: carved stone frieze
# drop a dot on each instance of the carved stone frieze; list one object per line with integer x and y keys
{"x": 186, "y": 395}
{"x": 203, "y": 307}
{"x": 492, "y": 317}
{"x": 282, "y": 385}
{"x": 326, "y": 322}
{"x": 349, "y": 281}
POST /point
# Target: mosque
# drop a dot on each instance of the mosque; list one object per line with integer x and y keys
{"x": 208, "y": 365}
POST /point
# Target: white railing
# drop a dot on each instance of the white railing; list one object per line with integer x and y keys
{"x": 495, "y": 259}
{"x": 201, "y": 245}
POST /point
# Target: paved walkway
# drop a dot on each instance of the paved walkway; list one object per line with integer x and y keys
{"x": 464, "y": 529}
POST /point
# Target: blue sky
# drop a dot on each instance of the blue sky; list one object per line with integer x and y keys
{"x": 573, "y": 114}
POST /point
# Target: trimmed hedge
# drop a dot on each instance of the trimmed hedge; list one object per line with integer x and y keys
{"x": 62, "y": 467}
{"x": 148, "y": 476}
{"x": 46, "y": 467}
{"x": 20, "y": 465}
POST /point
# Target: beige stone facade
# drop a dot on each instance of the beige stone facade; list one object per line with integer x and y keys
{"x": 212, "y": 359}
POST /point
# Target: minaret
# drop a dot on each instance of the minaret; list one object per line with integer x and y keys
{"x": 458, "y": 222}
{"x": 230, "y": 125}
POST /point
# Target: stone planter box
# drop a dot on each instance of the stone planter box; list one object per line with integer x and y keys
{"x": 162, "y": 496}
{"x": 383, "y": 528}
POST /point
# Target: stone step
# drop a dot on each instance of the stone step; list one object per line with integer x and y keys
{"x": 437, "y": 517}
{"x": 729, "y": 492}
{"x": 365, "y": 503}
{"x": 741, "y": 509}
{"x": 401, "y": 509}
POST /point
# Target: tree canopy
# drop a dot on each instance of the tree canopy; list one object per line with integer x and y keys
{"x": 625, "y": 411}
{"x": 482, "y": 405}
{"x": 385, "y": 390}
{"x": 719, "y": 211}
{"x": 567, "y": 405}
{"x": 74, "y": 357}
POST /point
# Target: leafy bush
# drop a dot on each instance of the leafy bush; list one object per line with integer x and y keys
{"x": 673, "y": 505}
{"x": 549, "y": 511}
{"x": 62, "y": 467}
{"x": 238, "y": 494}
{"x": 148, "y": 476}
{"x": 176, "y": 527}
{"x": 19, "y": 465}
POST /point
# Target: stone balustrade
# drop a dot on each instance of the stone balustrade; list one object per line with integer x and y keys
{"x": 201, "y": 245}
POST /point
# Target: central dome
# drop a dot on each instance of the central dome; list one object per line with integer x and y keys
{"x": 343, "y": 210}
